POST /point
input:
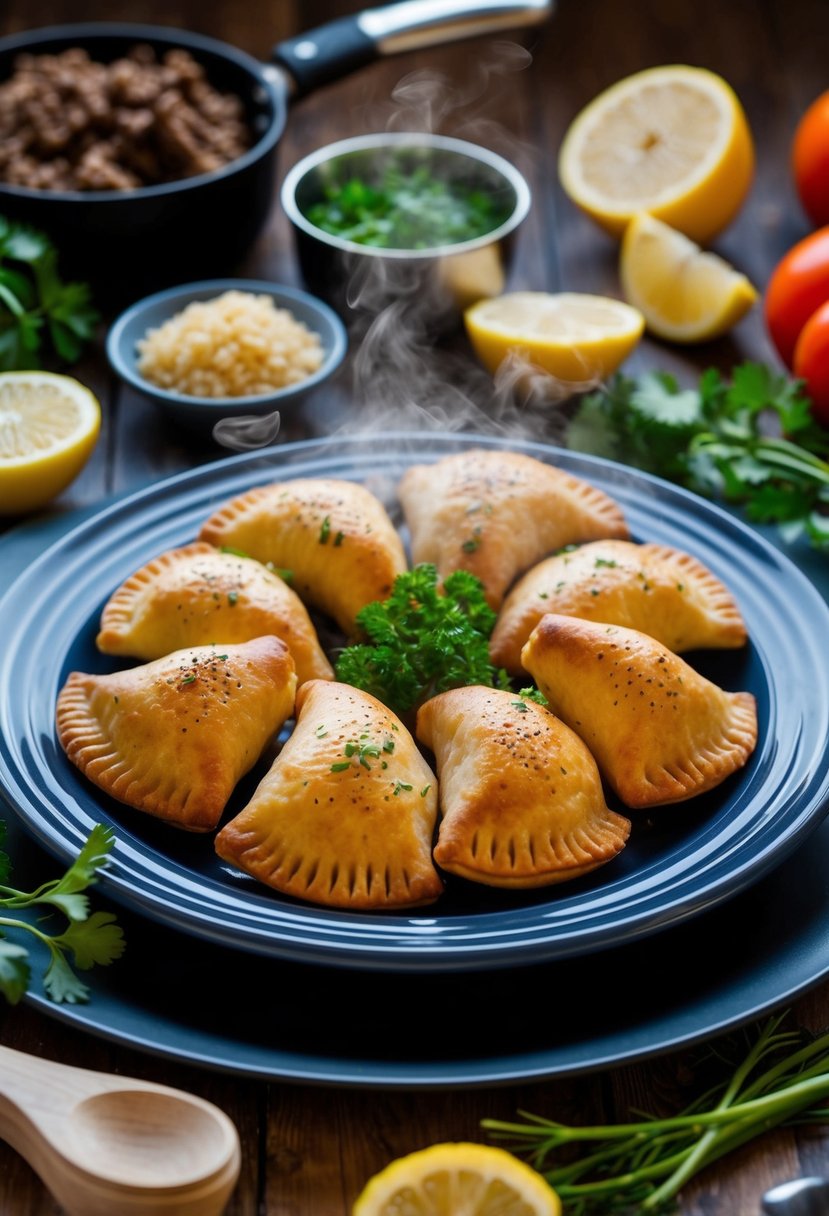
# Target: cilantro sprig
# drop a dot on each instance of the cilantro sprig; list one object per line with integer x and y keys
{"x": 423, "y": 640}
{"x": 751, "y": 440}
{"x": 36, "y": 306}
{"x": 89, "y": 937}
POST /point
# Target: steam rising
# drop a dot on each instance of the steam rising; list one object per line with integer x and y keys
{"x": 405, "y": 378}
{"x": 247, "y": 433}
{"x": 428, "y": 100}
{"x": 409, "y": 371}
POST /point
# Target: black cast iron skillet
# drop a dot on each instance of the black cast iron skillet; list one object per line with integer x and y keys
{"x": 127, "y": 241}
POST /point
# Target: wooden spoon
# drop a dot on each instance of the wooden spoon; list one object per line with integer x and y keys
{"x": 105, "y": 1144}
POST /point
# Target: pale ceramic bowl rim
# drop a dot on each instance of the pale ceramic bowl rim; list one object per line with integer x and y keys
{"x": 406, "y": 139}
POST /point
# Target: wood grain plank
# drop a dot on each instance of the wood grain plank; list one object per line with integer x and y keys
{"x": 324, "y": 1145}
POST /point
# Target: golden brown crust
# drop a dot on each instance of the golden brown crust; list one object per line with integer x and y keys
{"x": 520, "y": 795}
{"x": 659, "y": 730}
{"x": 346, "y": 814}
{"x": 497, "y": 513}
{"x": 334, "y": 536}
{"x": 656, "y": 589}
{"x": 195, "y": 596}
{"x": 173, "y": 737}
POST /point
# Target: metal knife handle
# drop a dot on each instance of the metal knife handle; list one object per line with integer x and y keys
{"x": 342, "y": 46}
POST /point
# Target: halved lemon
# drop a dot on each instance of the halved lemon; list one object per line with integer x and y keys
{"x": 458, "y": 1180}
{"x": 575, "y": 338}
{"x": 673, "y": 141}
{"x": 49, "y": 425}
{"x": 685, "y": 294}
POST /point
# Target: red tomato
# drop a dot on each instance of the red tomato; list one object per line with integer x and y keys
{"x": 811, "y": 361}
{"x": 810, "y": 160}
{"x": 797, "y": 288}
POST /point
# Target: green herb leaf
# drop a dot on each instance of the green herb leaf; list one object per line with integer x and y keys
{"x": 752, "y": 440}
{"x": 89, "y": 939}
{"x": 533, "y": 694}
{"x": 74, "y": 907}
{"x": 35, "y": 302}
{"x": 423, "y": 640}
{"x": 99, "y": 939}
{"x": 61, "y": 983}
{"x": 406, "y": 208}
{"x": 94, "y": 854}
{"x": 15, "y": 972}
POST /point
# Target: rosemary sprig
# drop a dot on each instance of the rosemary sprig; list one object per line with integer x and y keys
{"x": 643, "y": 1165}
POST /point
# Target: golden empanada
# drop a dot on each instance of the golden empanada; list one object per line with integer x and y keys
{"x": 659, "y": 730}
{"x": 196, "y": 595}
{"x": 334, "y": 536}
{"x": 520, "y": 795}
{"x": 497, "y": 513}
{"x": 346, "y": 814}
{"x": 174, "y": 736}
{"x": 658, "y": 590}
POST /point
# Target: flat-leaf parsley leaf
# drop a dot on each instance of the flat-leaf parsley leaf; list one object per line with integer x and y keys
{"x": 35, "y": 303}
{"x": 752, "y": 440}
{"x": 88, "y": 939}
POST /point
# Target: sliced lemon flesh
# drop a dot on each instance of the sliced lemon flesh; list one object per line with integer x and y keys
{"x": 575, "y": 338}
{"x": 673, "y": 141}
{"x": 685, "y": 294}
{"x": 458, "y": 1180}
{"x": 49, "y": 425}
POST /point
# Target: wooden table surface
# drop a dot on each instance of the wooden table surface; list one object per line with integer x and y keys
{"x": 307, "y": 1151}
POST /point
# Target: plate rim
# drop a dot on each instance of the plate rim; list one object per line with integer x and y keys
{"x": 793, "y": 973}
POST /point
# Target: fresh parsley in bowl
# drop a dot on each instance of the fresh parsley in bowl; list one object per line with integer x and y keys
{"x": 412, "y": 215}
{"x": 408, "y": 209}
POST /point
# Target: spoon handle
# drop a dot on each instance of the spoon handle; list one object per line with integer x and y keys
{"x": 36, "y": 1094}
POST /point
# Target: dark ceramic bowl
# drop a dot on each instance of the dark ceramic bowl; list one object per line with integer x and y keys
{"x": 204, "y": 412}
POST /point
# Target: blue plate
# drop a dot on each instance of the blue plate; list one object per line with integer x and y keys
{"x": 736, "y": 962}
{"x": 681, "y": 860}
{"x": 199, "y": 1003}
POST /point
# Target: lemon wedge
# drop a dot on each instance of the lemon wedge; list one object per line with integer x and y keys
{"x": 458, "y": 1180}
{"x": 49, "y": 425}
{"x": 673, "y": 141}
{"x": 576, "y": 338}
{"x": 685, "y": 295}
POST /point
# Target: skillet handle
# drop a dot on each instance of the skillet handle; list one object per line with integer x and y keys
{"x": 333, "y": 50}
